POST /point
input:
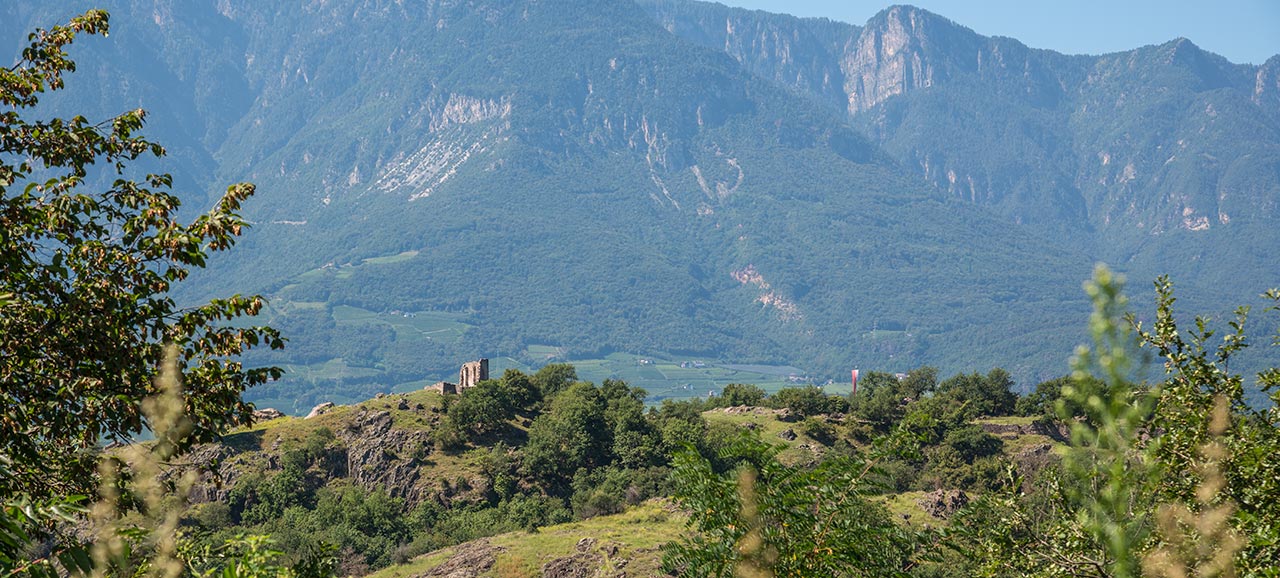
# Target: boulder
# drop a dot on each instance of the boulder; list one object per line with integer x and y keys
{"x": 320, "y": 409}
{"x": 468, "y": 561}
{"x": 268, "y": 413}
{"x": 583, "y": 564}
{"x": 942, "y": 504}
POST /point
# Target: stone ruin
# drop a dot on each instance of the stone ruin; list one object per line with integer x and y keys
{"x": 472, "y": 373}
{"x": 443, "y": 387}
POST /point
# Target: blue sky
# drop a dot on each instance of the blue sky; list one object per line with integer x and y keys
{"x": 1241, "y": 30}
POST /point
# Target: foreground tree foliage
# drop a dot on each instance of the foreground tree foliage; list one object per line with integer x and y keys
{"x": 85, "y": 279}
{"x": 1173, "y": 479}
{"x": 133, "y": 529}
{"x": 764, "y": 518}
{"x": 1177, "y": 479}
{"x": 85, "y": 324}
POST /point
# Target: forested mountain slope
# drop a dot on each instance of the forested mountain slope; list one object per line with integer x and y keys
{"x": 1162, "y": 159}
{"x": 572, "y": 175}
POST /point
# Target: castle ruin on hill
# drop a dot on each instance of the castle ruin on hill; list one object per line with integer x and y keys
{"x": 472, "y": 373}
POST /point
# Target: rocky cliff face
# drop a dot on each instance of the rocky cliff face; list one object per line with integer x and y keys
{"x": 799, "y": 53}
{"x": 1116, "y": 152}
{"x": 382, "y": 456}
{"x": 896, "y": 53}
{"x": 901, "y": 50}
{"x": 1171, "y": 138}
{"x": 959, "y": 84}
{"x": 1266, "y": 86}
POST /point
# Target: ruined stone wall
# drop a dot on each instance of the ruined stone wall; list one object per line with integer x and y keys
{"x": 473, "y": 372}
{"x": 443, "y": 387}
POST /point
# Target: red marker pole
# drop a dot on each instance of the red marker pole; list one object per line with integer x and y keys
{"x": 855, "y": 382}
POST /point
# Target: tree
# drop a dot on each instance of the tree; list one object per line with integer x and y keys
{"x": 1176, "y": 480}
{"x": 989, "y": 395}
{"x": 554, "y": 377}
{"x": 85, "y": 279}
{"x": 1216, "y": 441}
{"x": 636, "y": 442}
{"x": 764, "y": 518}
{"x": 481, "y": 409}
{"x": 572, "y": 434}
{"x": 880, "y": 401}
{"x": 920, "y": 381}
{"x": 736, "y": 394}
{"x": 807, "y": 401}
{"x": 519, "y": 389}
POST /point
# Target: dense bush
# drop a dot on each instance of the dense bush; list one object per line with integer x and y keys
{"x": 807, "y": 401}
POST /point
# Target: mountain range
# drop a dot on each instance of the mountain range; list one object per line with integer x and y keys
{"x": 530, "y": 179}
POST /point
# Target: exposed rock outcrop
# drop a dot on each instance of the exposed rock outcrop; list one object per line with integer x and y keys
{"x": 217, "y": 474}
{"x": 268, "y": 413}
{"x": 468, "y": 561}
{"x": 384, "y": 444}
{"x": 381, "y": 456}
{"x": 320, "y": 409}
{"x": 1007, "y": 430}
{"x": 585, "y": 562}
{"x": 942, "y": 504}
{"x": 580, "y": 565}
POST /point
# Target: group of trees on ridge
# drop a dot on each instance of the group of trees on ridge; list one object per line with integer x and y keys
{"x": 1164, "y": 479}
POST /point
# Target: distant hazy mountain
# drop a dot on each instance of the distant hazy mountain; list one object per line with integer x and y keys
{"x": 679, "y": 178}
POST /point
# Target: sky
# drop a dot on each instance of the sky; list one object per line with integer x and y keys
{"x": 1244, "y": 31}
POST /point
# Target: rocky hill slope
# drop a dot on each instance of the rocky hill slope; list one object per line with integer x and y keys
{"x": 383, "y": 444}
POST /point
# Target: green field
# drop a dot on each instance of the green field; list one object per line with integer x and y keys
{"x": 389, "y": 259}
{"x": 543, "y": 351}
{"x": 665, "y": 378}
{"x": 443, "y": 326}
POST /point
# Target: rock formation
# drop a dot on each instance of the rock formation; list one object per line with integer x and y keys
{"x": 266, "y": 414}
{"x": 320, "y": 409}
{"x": 942, "y": 503}
{"x": 467, "y": 561}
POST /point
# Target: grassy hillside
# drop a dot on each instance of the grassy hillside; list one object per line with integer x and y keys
{"x": 619, "y": 544}
{"x": 533, "y": 472}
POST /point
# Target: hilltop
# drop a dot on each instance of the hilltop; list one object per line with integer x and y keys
{"x": 533, "y": 473}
